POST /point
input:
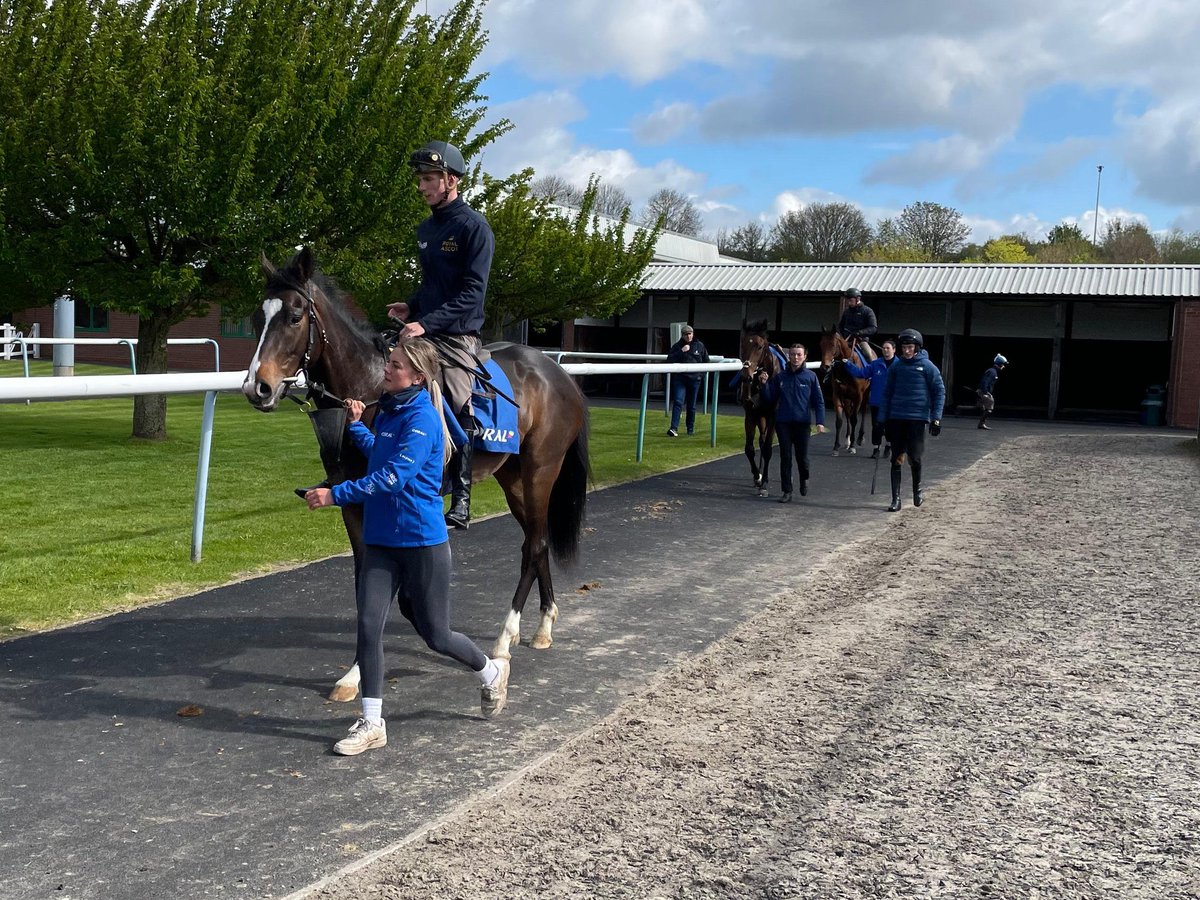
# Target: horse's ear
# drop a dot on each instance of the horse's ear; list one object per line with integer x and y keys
{"x": 268, "y": 267}
{"x": 304, "y": 263}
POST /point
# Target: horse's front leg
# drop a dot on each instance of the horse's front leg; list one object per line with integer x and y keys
{"x": 837, "y": 428}
{"x": 346, "y": 688}
{"x": 751, "y": 450}
{"x": 766, "y": 439}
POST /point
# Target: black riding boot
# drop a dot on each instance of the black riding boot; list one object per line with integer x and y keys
{"x": 897, "y": 472}
{"x": 918, "y": 497}
{"x": 983, "y": 422}
{"x": 459, "y": 515}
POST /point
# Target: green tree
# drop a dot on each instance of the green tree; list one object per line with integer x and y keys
{"x": 749, "y": 242}
{"x": 175, "y": 140}
{"x": 1179, "y": 248}
{"x": 1065, "y": 243}
{"x": 1128, "y": 242}
{"x": 550, "y": 265}
{"x": 889, "y": 244}
{"x": 820, "y": 232}
{"x": 1007, "y": 249}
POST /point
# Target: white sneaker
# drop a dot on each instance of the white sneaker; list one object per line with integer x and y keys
{"x": 363, "y": 736}
{"x": 494, "y": 696}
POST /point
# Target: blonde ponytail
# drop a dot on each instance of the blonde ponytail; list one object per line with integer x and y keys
{"x": 423, "y": 358}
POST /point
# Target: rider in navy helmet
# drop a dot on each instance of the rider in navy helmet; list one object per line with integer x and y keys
{"x": 455, "y": 247}
{"x": 913, "y": 397}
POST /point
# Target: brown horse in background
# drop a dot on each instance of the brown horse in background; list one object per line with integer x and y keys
{"x": 759, "y": 364}
{"x": 305, "y": 330}
{"x": 851, "y": 396}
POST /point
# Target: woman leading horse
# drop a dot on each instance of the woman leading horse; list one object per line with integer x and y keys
{"x": 307, "y": 336}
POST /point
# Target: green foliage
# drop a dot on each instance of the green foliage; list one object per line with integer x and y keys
{"x": 890, "y": 245}
{"x": 1002, "y": 250}
{"x": 1065, "y": 244}
{"x": 1128, "y": 242}
{"x": 150, "y": 150}
{"x": 1178, "y": 247}
{"x": 552, "y": 265}
{"x": 937, "y": 231}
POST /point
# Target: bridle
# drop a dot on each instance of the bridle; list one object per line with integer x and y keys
{"x": 300, "y": 377}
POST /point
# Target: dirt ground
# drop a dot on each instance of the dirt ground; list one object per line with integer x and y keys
{"x": 1014, "y": 715}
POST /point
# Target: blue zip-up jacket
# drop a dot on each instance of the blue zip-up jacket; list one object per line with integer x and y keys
{"x": 988, "y": 382}
{"x": 799, "y": 395}
{"x": 914, "y": 390}
{"x": 402, "y": 506}
{"x": 876, "y": 370}
{"x": 455, "y": 246}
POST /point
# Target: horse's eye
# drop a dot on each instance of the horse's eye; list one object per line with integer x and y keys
{"x": 295, "y": 318}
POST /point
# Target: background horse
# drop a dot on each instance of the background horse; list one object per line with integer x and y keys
{"x": 851, "y": 396}
{"x": 759, "y": 415}
{"x": 304, "y": 328}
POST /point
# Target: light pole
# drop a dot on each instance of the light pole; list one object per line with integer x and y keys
{"x": 1096, "y": 215}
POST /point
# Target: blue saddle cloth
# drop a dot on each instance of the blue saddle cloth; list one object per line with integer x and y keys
{"x": 497, "y": 417}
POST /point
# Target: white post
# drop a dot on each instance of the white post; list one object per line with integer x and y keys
{"x": 64, "y": 327}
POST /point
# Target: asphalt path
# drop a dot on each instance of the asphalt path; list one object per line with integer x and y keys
{"x": 107, "y": 792}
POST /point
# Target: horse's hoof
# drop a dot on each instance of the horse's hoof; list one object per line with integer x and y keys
{"x": 762, "y": 492}
{"x": 541, "y": 642}
{"x": 343, "y": 693}
{"x": 835, "y": 453}
{"x": 853, "y": 451}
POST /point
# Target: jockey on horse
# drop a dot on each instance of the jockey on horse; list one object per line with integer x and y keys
{"x": 455, "y": 247}
{"x": 858, "y": 320}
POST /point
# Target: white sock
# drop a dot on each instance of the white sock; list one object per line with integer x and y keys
{"x": 489, "y": 673}
{"x": 372, "y": 710}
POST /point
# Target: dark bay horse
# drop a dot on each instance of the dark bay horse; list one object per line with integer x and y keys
{"x": 851, "y": 396}
{"x": 305, "y": 329}
{"x": 758, "y": 365}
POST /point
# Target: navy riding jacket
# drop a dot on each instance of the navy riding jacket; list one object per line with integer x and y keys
{"x": 858, "y": 320}
{"x": 914, "y": 390}
{"x": 696, "y": 353}
{"x": 799, "y": 395}
{"x": 988, "y": 382}
{"x": 400, "y": 494}
{"x": 455, "y": 246}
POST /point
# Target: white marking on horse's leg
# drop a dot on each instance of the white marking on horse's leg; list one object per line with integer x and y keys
{"x": 346, "y": 688}
{"x": 542, "y": 638}
{"x": 271, "y": 306}
{"x": 510, "y": 636}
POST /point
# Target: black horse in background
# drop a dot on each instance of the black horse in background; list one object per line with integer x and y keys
{"x": 759, "y": 364}
{"x": 305, "y": 330}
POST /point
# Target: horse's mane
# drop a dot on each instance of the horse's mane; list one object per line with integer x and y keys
{"x": 337, "y": 307}
{"x": 758, "y": 326}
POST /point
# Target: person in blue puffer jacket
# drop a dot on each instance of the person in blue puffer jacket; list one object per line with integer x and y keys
{"x": 407, "y": 554}
{"x": 913, "y": 397}
{"x": 875, "y": 370}
{"x": 801, "y": 403}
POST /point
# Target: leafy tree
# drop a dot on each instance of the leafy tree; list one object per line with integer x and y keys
{"x": 1128, "y": 242}
{"x": 820, "y": 232}
{"x": 676, "y": 210}
{"x": 1179, "y": 248}
{"x": 1001, "y": 250}
{"x": 889, "y": 244}
{"x": 750, "y": 242}
{"x": 937, "y": 231}
{"x": 1065, "y": 243}
{"x": 550, "y": 266}
{"x": 170, "y": 141}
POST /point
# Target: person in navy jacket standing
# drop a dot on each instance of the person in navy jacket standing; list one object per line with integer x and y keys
{"x": 455, "y": 246}
{"x": 876, "y": 371}
{"x": 800, "y": 404}
{"x": 407, "y": 552}
{"x": 685, "y": 386}
{"x": 913, "y": 397}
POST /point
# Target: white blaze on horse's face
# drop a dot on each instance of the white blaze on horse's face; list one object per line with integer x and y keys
{"x": 271, "y": 306}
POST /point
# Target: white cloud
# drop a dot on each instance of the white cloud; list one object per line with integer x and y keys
{"x": 928, "y": 161}
{"x": 664, "y": 123}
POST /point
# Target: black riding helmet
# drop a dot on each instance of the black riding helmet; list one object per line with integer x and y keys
{"x": 910, "y": 336}
{"x": 438, "y": 156}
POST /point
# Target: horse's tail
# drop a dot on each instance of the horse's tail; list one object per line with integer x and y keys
{"x": 564, "y": 518}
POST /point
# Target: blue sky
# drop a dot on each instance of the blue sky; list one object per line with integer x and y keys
{"x": 1000, "y": 110}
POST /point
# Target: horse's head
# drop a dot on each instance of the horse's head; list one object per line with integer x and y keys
{"x": 290, "y": 333}
{"x": 833, "y": 347}
{"x": 757, "y": 359}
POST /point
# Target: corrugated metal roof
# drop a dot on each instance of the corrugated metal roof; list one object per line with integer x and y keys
{"x": 929, "y": 278}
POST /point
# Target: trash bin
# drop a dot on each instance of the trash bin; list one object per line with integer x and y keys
{"x": 1152, "y": 405}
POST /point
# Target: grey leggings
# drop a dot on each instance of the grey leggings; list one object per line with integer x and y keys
{"x": 419, "y": 579}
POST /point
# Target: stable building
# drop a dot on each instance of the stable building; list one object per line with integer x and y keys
{"x": 1108, "y": 342}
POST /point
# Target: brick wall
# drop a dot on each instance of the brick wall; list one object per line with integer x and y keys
{"x": 1183, "y": 401}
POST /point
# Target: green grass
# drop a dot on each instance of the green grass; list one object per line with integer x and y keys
{"x": 96, "y": 522}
